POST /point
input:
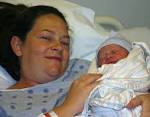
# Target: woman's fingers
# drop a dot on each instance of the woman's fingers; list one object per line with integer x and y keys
{"x": 79, "y": 91}
{"x": 85, "y": 83}
{"x": 89, "y": 78}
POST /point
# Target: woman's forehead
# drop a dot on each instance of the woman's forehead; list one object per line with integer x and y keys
{"x": 50, "y": 19}
{"x": 51, "y": 23}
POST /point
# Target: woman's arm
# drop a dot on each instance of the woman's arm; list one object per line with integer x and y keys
{"x": 78, "y": 93}
{"x": 144, "y": 101}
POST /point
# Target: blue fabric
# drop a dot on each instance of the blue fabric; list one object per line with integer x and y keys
{"x": 30, "y": 102}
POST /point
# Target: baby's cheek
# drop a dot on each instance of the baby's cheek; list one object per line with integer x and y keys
{"x": 102, "y": 61}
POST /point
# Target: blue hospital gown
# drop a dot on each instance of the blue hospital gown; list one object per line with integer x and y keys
{"x": 30, "y": 102}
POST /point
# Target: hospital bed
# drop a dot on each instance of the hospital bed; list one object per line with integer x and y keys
{"x": 88, "y": 31}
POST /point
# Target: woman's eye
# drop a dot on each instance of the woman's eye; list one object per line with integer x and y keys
{"x": 44, "y": 37}
{"x": 65, "y": 43}
{"x": 49, "y": 38}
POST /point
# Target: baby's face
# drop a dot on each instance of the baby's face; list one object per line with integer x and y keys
{"x": 111, "y": 54}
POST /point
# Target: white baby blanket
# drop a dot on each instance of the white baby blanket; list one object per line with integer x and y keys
{"x": 119, "y": 84}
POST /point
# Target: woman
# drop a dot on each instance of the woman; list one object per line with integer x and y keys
{"x": 38, "y": 44}
{"x": 39, "y": 49}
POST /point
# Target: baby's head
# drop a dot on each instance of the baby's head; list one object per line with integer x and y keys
{"x": 112, "y": 50}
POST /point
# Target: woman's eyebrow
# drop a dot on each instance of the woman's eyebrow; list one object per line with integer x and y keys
{"x": 66, "y": 36}
{"x": 46, "y": 30}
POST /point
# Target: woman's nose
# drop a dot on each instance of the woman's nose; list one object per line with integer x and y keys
{"x": 57, "y": 46}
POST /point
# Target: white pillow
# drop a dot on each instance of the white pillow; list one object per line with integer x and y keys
{"x": 5, "y": 79}
{"x": 81, "y": 21}
{"x": 137, "y": 34}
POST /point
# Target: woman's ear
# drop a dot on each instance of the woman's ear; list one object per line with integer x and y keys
{"x": 16, "y": 45}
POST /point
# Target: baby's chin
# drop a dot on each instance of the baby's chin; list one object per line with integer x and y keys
{"x": 112, "y": 62}
{"x": 109, "y": 62}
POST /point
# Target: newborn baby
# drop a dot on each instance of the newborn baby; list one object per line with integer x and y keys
{"x": 125, "y": 75}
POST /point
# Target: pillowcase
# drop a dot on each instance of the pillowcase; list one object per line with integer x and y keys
{"x": 85, "y": 37}
{"x": 5, "y": 79}
{"x": 137, "y": 34}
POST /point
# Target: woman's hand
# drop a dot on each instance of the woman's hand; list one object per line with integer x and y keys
{"x": 78, "y": 93}
{"x": 144, "y": 101}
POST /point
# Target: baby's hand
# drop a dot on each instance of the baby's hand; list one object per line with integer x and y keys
{"x": 144, "y": 101}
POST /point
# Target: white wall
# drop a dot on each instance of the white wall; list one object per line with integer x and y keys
{"x": 130, "y": 12}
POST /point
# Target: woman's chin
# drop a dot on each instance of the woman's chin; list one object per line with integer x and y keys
{"x": 54, "y": 74}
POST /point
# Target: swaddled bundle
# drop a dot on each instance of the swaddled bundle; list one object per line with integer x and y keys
{"x": 119, "y": 84}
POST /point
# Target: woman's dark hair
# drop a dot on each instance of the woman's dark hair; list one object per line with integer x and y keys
{"x": 6, "y": 4}
{"x": 21, "y": 26}
{"x": 8, "y": 13}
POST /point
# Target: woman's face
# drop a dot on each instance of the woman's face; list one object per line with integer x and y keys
{"x": 45, "y": 53}
{"x": 111, "y": 54}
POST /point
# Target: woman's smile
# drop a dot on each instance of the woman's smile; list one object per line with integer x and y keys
{"x": 57, "y": 58}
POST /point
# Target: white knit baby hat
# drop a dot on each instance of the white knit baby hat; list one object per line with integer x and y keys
{"x": 118, "y": 41}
